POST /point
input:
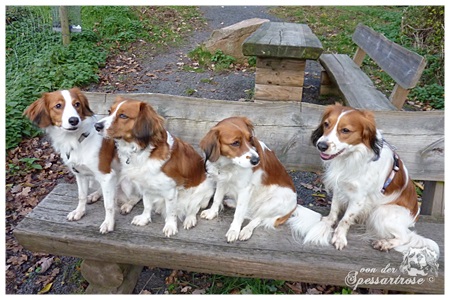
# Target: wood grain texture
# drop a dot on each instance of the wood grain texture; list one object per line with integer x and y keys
{"x": 268, "y": 254}
{"x": 355, "y": 86}
{"x": 403, "y": 65}
{"x": 280, "y": 77}
{"x": 287, "y": 40}
{"x": 278, "y": 92}
{"x": 286, "y": 128}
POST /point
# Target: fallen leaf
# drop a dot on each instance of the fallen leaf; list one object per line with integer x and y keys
{"x": 45, "y": 263}
{"x": 46, "y": 288}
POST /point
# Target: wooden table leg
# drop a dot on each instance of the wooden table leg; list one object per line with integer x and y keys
{"x": 109, "y": 278}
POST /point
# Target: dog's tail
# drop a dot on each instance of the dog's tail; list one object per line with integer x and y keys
{"x": 418, "y": 241}
{"x": 307, "y": 224}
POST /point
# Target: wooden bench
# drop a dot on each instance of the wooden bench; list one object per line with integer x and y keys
{"x": 357, "y": 89}
{"x": 112, "y": 262}
{"x": 281, "y": 51}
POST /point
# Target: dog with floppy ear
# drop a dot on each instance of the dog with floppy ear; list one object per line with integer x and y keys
{"x": 369, "y": 182}
{"x": 248, "y": 172}
{"x": 67, "y": 119}
{"x": 167, "y": 171}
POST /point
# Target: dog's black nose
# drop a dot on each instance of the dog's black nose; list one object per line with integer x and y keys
{"x": 322, "y": 146}
{"x": 254, "y": 160}
{"x": 74, "y": 121}
{"x": 99, "y": 126}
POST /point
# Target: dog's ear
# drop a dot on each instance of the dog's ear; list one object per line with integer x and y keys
{"x": 38, "y": 112}
{"x": 211, "y": 146}
{"x": 249, "y": 125}
{"x": 370, "y": 134}
{"x": 86, "y": 110}
{"x": 149, "y": 126}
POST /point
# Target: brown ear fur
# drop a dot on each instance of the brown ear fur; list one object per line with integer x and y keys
{"x": 38, "y": 113}
{"x": 84, "y": 102}
{"x": 211, "y": 146}
{"x": 149, "y": 126}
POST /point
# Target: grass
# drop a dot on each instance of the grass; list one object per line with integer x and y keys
{"x": 37, "y": 62}
{"x": 334, "y": 26}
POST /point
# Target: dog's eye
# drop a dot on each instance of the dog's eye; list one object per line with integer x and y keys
{"x": 77, "y": 104}
{"x": 58, "y": 106}
{"x": 236, "y": 144}
{"x": 345, "y": 130}
{"x": 109, "y": 111}
{"x": 123, "y": 116}
{"x": 326, "y": 124}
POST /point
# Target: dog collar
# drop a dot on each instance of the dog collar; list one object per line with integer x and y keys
{"x": 395, "y": 168}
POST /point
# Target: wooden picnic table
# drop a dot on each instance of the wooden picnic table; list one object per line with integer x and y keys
{"x": 281, "y": 51}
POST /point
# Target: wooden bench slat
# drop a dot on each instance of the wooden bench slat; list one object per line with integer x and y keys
{"x": 357, "y": 88}
{"x": 403, "y": 65}
{"x": 268, "y": 254}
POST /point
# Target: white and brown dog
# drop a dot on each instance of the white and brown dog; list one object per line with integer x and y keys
{"x": 168, "y": 172}
{"x": 369, "y": 183}
{"x": 69, "y": 122}
{"x": 248, "y": 172}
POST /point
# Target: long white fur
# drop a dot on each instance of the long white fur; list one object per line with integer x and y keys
{"x": 160, "y": 192}
{"x": 84, "y": 158}
{"x": 355, "y": 180}
{"x": 261, "y": 204}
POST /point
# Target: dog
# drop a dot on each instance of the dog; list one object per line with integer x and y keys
{"x": 247, "y": 171}
{"x": 67, "y": 119}
{"x": 369, "y": 183}
{"x": 167, "y": 171}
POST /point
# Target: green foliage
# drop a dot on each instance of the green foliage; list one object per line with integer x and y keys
{"x": 227, "y": 285}
{"x": 25, "y": 166}
{"x": 37, "y": 62}
{"x": 217, "y": 60}
{"x": 418, "y": 28}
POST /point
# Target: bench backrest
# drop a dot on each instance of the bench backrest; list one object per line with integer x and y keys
{"x": 403, "y": 65}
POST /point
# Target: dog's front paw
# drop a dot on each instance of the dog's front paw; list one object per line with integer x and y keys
{"x": 94, "y": 197}
{"x": 232, "y": 235}
{"x": 126, "y": 208}
{"x": 339, "y": 240}
{"x": 141, "y": 220}
{"x": 190, "y": 222}
{"x": 170, "y": 229}
{"x": 75, "y": 215}
{"x": 245, "y": 234}
{"x": 209, "y": 214}
{"x": 382, "y": 245}
{"x": 106, "y": 227}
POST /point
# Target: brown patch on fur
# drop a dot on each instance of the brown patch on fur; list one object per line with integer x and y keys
{"x": 282, "y": 220}
{"x": 137, "y": 121}
{"x": 185, "y": 165}
{"x": 48, "y": 109}
{"x": 231, "y": 138}
{"x": 107, "y": 154}
{"x": 274, "y": 171}
{"x": 408, "y": 196}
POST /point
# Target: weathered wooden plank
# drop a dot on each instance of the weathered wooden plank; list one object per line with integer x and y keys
{"x": 398, "y": 96}
{"x": 278, "y": 92}
{"x": 279, "y": 77}
{"x": 287, "y": 40}
{"x": 403, "y": 65}
{"x": 433, "y": 200}
{"x": 359, "y": 56}
{"x": 268, "y": 254}
{"x": 356, "y": 87}
{"x": 280, "y": 63}
{"x": 286, "y": 128}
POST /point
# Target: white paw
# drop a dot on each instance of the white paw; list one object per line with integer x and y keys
{"x": 209, "y": 214}
{"x": 106, "y": 227}
{"x": 75, "y": 215}
{"x": 126, "y": 208}
{"x": 339, "y": 241}
{"x": 382, "y": 245}
{"x": 190, "y": 222}
{"x": 170, "y": 229}
{"x": 245, "y": 234}
{"x": 141, "y": 220}
{"x": 91, "y": 198}
{"x": 232, "y": 235}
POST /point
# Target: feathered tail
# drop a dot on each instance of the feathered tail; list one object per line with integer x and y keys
{"x": 307, "y": 225}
